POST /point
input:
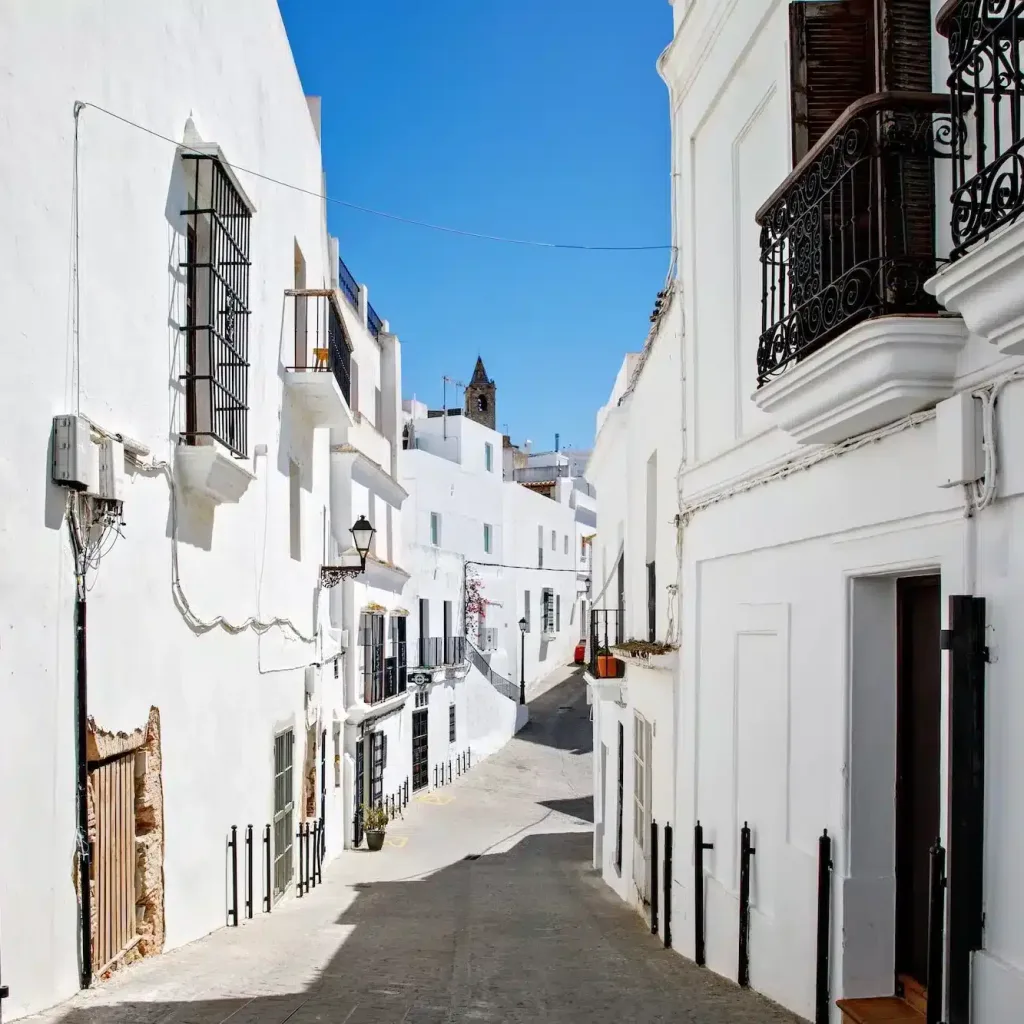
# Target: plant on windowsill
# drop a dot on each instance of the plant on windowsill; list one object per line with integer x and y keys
{"x": 654, "y": 654}
{"x": 374, "y": 607}
{"x": 375, "y": 821}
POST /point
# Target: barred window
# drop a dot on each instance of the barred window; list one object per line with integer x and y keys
{"x": 216, "y": 328}
{"x": 371, "y": 639}
{"x": 451, "y": 723}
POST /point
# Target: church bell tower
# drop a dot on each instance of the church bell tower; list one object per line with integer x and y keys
{"x": 480, "y": 394}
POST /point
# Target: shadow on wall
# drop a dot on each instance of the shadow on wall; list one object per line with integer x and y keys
{"x": 520, "y": 936}
{"x": 560, "y": 717}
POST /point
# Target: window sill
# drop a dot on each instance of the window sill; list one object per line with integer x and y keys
{"x": 206, "y": 470}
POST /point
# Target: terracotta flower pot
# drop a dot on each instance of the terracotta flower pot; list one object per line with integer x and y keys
{"x": 374, "y": 838}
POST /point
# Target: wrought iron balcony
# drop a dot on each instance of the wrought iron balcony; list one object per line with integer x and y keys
{"x": 348, "y": 284}
{"x": 373, "y": 322}
{"x": 320, "y": 345}
{"x": 850, "y": 234}
{"x": 987, "y": 90}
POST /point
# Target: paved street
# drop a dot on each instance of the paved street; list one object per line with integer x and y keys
{"x": 482, "y": 907}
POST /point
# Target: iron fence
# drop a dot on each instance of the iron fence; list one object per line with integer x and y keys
{"x": 348, "y": 284}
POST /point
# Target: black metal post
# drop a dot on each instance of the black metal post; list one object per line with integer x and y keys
{"x": 458, "y": 766}
{"x": 522, "y": 667}
{"x": 699, "y": 846}
{"x": 299, "y": 886}
{"x": 667, "y": 879}
{"x": 821, "y": 978}
{"x": 936, "y": 933}
{"x": 268, "y": 900}
{"x": 405, "y": 793}
{"x": 435, "y": 776}
{"x": 82, "y": 780}
{"x": 248, "y": 871}
{"x": 233, "y": 846}
{"x": 746, "y": 852}
{"x": 654, "y": 877}
{"x": 449, "y": 769}
{"x": 469, "y": 756}
{"x": 316, "y": 852}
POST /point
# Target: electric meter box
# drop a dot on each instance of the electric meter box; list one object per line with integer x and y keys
{"x": 75, "y": 457}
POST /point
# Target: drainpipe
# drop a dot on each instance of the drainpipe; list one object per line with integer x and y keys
{"x": 81, "y": 722}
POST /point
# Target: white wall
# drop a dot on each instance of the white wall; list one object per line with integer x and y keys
{"x": 220, "y": 696}
{"x": 777, "y": 580}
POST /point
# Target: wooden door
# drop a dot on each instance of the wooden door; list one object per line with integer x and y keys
{"x": 113, "y": 864}
{"x": 918, "y": 740}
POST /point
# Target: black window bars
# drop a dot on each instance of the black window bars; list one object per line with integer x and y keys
{"x": 216, "y": 327}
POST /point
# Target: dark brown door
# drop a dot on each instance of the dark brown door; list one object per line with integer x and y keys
{"x": 918, "y": 683}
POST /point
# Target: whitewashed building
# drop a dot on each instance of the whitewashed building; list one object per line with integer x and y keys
{"x": 848, "y": 503}
{"x": 634, "y": 467}
{"x": 174, "y": 666}
{"x": 488, "y": 551}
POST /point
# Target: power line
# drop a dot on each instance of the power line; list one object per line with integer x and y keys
{"x": 383, "y": 213}
{"x": 534, "y": 568}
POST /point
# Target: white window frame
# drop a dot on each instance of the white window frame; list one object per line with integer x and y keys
{"x": 435, "y": 529}
{"x": 488, "y": 538}
{"x": 489, "y": 457}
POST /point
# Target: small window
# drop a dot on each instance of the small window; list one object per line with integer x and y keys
{"x": 554, "y": 540}
{"x": 451, "y": 723}
{"x": 295, "y": 510}
{"x": 547, "y": 608}
{"x": 540, "y": 547}
{"x": 526, "y": 609}
{"x": 567, "y": 543}
{"x": 558, "y": 613}
{"x": 435, "y": 529}
{"x": 487, "y": 538}
{"x": 489, "y": 457}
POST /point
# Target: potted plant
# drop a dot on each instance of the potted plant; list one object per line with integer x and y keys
{"x": 607, "y": 664}
{"x": 375, "y": 821}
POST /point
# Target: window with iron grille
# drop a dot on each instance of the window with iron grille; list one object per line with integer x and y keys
{"x": 451, "y": 723}
{"x": 397, "y": 661}
{"x": 284, "y": 809}
{"x": 371, "y": 639}
{"x": 558, "y": 613}
{"x": 547, "y": 601}
{"x": 216, "y": 377}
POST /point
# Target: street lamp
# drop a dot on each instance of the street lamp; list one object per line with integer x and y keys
{"x": 362, "y": 536}
{"x": 523, "y": 625}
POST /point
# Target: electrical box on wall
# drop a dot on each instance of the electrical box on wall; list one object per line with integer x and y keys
{"x": 111, "y": 469}
{"x": 958, "y": 440}
{"x": 75, "y": 461}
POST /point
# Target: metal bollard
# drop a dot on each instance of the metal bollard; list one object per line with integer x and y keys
{"x": 699, "y": 846}
{"x": 667, "y": 912}
{"x": 654, "y": 877}
{"x": 233, "y": 846}
{"x": 268, "y": 900}
{"x": 746, "y": 852}
{"x": 248, "y": 871}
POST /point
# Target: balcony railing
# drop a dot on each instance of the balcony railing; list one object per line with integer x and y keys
{"x": 606, "y": 628}
{"x": 850, "y": 234}
{"x": 374, "y": 322}
{"x": 441, "y": 651}
{"x": 987, "y": 90}
{"x": 539, "y": 474}
{"x": 348, "y": 284}
{"x": 320, "y": 342}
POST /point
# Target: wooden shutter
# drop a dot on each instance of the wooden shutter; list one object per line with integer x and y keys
{"x": 906, "y": 45}
{"x": 831, "y": 64}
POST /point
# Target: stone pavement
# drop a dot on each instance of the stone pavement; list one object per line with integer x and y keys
{"x": 482, "y": 907}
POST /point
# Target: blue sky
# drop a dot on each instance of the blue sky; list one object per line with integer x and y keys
{"x": 536, "y": 119}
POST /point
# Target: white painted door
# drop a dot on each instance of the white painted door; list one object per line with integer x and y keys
{"x": 641, "y": 805}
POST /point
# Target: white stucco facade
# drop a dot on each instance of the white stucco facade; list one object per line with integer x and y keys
{"x": 187, "y": 562}
{"x": 806, "y": 510}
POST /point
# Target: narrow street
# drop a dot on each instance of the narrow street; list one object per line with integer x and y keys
{"x": 482, "y": 907}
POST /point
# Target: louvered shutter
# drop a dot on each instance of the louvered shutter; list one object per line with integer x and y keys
{"x": 906, "y": 46}
{"x": 831, "y": 64}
